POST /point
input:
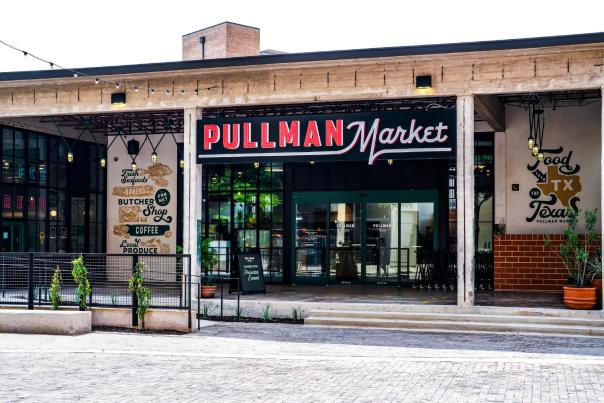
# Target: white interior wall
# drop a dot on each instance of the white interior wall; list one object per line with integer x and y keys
{"x": 576, "y": 130}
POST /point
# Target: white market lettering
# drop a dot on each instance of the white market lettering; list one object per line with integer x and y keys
{"x": 360, "y": 134}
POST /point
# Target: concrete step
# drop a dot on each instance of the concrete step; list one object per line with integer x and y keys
{"x": 454, "y": 326}
{"x": 541, "y": 325}
{"x": 452, "y": 317}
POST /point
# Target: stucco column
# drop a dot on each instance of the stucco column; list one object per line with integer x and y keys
{"x": 190, "y": 202}
{"x": 465, "y": 200}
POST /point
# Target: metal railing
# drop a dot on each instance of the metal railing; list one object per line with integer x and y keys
{"x": 25, "y": 279}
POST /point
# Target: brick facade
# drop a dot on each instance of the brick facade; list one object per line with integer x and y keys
{"x": 522, "y": 263}
{"x": 223, "y": 40}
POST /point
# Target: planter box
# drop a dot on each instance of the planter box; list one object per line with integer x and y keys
{"x": 65, "y": 322}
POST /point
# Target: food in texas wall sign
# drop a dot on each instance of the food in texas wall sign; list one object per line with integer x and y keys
{"x": 557, "y": 187}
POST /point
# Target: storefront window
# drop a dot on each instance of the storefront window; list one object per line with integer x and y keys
{"x": 34, "y": 210}
{"x": 244, "y": 211}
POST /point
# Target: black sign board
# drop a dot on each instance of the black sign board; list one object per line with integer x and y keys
{"x": 249, "y": 270}
{"x": 366, "y": 136}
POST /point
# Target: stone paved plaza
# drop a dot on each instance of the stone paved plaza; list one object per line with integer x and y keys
{"x": 293, "y": 363}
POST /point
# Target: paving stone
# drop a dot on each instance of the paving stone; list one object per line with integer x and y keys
{"x": 245, "y": 362}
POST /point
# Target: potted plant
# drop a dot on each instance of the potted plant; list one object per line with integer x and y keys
{"x": 208, "y": 260}
{"x": 579, "y": 255}
{"x": 597, "y": 279}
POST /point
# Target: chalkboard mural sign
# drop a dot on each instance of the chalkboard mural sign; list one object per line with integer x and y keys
{"x": 251, "y": 275}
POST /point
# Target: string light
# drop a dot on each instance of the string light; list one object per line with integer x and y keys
{"x": 97, "y": 81}
{"x": 69, "y": 157}
{"x": 103, "y": 162}
{"x": 133, "y": 166}
{"x": 153, "y": 157}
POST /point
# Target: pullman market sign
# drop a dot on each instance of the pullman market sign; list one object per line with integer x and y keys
{"x": 349, "y": 136}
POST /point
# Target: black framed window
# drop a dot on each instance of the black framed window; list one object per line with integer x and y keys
{"x": 243, "y": 211}
{"x": 39, "y": 189}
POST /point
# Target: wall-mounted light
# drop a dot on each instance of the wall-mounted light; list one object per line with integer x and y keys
{"x": 423, "y": 82}
{"x": 181, "y": 164}
{"x": 69, "y": 156}
{"x": 103, "y": 162}
{"x": 153, "y": 157}
{"x": 53, "y": 212}
{"x": 118, "y": 98}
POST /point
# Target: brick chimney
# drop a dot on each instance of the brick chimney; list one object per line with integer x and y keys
{"x": 226, "y": 39}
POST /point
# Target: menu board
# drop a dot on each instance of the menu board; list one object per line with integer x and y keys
{"x": 141, "y": 205}
{"x": 251, "y": 275}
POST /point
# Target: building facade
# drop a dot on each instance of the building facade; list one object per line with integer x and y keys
{"x": 348, "y": 167}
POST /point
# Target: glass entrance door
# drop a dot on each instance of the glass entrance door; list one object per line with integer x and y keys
{"x": 310, "y": 244}
{"x": 345, "y": 260}
{"x": 13, "y": 237}
{"x": 350, "y": 238}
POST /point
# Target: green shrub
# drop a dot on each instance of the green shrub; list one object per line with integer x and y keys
{"x": 143, "y": 294}
{"x": 55, "y": 289}
{"x": 579, "y": 253}
{"x": 80, "y": 276}
{"x": 266, "y": 316}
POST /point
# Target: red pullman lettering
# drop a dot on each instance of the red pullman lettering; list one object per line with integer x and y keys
{"x": 312, "y": 137}
{"x": 247, "y": 136}
{"x": 289, "y": 134}
{"x": 211, "y": 135}
{"x": 334, "y": 133}
{"x": 264, "y": 132}
{"x": 19, "y": 202}
{"x": 6, "y": 202}
{"x": 230, "y": 140}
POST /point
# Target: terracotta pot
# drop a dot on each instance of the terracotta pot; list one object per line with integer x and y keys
{"x": 597, "y": 282}
{"x": 208, "y": 291}
{"x": 580, "y": 297}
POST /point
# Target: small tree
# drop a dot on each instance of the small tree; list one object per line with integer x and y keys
{"x": 55, "y": 289}
{"x": 143, "y": 294}
{"x": 578, "y": 253}
{"x": 208, "y": 260}
{"x": 80, "y": 276}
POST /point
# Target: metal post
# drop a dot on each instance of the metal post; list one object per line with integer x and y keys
{"x": 134, "y": 298}
{"x": 238, "y": 313}
{"x": 198, "y": 303}
{"x": 221, "y": 297}
{"x": 30, "y": 283}
{"x": 189, "y": 290}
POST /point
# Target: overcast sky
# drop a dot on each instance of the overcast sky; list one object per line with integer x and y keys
{"x": 110, "y": 32}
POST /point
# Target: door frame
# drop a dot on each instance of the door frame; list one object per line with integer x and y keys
{"x": 361, "y": 197}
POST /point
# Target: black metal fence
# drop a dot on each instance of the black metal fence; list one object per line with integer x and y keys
{"x": 25, "y": 279}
